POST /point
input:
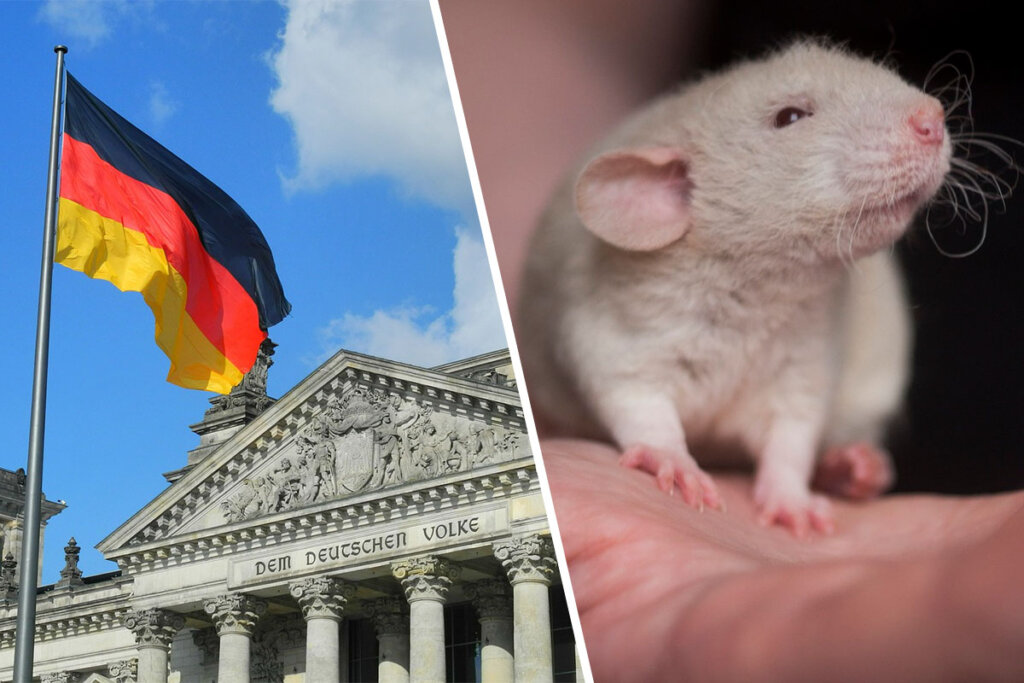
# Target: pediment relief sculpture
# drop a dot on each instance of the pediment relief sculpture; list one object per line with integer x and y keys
{"x": 369, "y": 439}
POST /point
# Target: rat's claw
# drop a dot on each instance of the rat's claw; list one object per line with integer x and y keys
{"x": 672, "y": 471}
{"x": 801, "y": 514}
{"x": 666, "y": 478}
{"x": 690, "y": 488}
{"x": 710, "y": 492}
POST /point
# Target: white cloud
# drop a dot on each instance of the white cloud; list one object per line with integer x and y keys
{"x": 364, "y": 88}
{"x": 476, "y": 321}
{"x": 161, "y": 106}
{"x": 418, "y": 335}
{"x": 85, "y": 20}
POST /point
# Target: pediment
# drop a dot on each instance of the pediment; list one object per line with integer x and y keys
{"x": 358, "y": 425}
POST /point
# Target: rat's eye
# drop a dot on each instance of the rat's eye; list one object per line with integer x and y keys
{"x": 790, "y": 115}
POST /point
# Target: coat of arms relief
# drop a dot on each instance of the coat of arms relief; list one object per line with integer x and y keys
{"x": 365, "y": 440}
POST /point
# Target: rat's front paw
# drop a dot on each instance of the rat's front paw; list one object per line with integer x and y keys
{"x": 793, "y": 507}
{"x": 858, "y": 471}
{"x": 674, "y": 470}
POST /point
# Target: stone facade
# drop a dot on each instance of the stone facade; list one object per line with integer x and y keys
{"x": 378, "y": 511}
{"x": 12, "y": 497}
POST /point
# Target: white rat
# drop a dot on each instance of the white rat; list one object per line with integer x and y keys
{"x": 716, "y": 281}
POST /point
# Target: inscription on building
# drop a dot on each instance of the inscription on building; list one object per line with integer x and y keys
{"x": 343, "y": 549}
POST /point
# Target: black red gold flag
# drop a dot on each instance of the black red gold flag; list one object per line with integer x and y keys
{"x": 132, "y": 213}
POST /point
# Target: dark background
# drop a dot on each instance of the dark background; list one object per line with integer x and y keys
{"x": 962, "y": 430}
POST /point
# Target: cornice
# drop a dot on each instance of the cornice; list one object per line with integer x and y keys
{"x": 345, "y": 514}
{"x": 84, "y": 613}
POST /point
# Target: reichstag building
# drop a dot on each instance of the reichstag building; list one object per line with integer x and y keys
{"x": 380, "y": 522}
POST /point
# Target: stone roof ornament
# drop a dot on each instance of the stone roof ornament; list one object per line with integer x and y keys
{"x": 8, "y": 577}
{"x": 251, "y": 392}
{"x": 229, "y": 413}
{"x": 71, "y": 575}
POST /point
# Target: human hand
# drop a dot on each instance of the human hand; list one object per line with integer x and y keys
{"x": 908, "y": 588}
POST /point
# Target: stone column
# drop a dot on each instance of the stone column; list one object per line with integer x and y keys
{"x": 390, "y": 618}
{"x": 322, "y": 599}
{"x": 493, "y": 602}
{"x": 154, "y": 630}
{"x": 235, "y": 616}
{"x": 426, "y": 581}
{"x": 530, "y": 563}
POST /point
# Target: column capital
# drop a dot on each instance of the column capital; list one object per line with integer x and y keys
{"x": 124, "y": 671}
{"x": 235, "y": 612}
{"x": 153, "y": 627}
{"x": 59, "y": 677}
{"x": 492, "y": 598}
{"x": 528, "y": 558}
{"x": 322, "y": 597}
{"x": 425, "y": 578}
{"x": 390, "y": 616}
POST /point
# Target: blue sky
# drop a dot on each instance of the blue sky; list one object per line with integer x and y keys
{"x": 330, "y": 123}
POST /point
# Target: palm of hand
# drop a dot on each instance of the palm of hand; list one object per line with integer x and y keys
{"x": 666, "y": 591}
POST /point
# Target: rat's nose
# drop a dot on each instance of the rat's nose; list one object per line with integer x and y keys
{"x": 928, "y": 123}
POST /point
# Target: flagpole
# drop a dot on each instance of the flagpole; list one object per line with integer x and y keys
{"x": 29, "y": 564}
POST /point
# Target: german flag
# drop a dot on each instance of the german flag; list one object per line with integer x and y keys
{"x": 136, "y": 215}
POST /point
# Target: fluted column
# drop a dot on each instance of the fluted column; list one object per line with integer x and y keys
{"x": 235, "y": 616}
{"x": 493, "y": 602}
{"x": 154, "y": 630}
{"x": 426, "y": 581}
{"x": 322, "y": 599}
{"x": 530, "y": 564}
{"x": 390, "y": 618}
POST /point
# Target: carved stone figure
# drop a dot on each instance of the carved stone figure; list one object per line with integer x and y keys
{"x": 251, "y": 392}
{"x": 457, "y": 459}
{"x": 483, "y": 447}
{"x": 367, "y": 439}
{"x": 286, "y": 484}
{"x": 256, "y": 379}
{"x": 245, "y": 504}
{"x": 425, "y": 452}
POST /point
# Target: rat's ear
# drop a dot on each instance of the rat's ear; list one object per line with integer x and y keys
{"x": 636, "y": 199}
